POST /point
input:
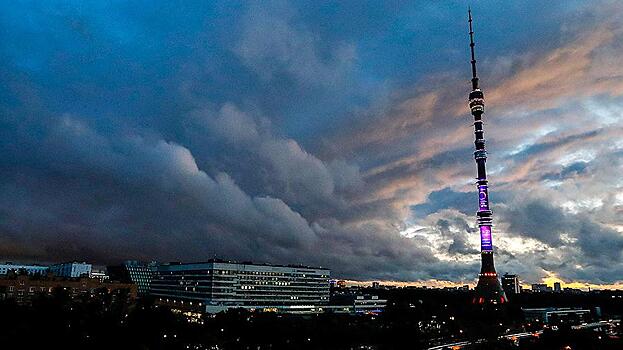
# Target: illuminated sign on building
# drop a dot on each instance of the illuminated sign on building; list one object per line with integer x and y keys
{"x": 483, "y": 197}
{"x": 485, "y": 238}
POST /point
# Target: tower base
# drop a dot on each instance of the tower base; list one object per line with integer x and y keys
{"x": 489, "y": 290}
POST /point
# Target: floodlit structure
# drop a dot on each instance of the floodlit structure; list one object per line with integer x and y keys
{"x": 488, "y": 290}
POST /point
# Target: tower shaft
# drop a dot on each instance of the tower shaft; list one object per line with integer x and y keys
{"x": 489, "y": 289}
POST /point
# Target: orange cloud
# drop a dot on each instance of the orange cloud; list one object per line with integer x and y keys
{"x": 585, "y": 67}
{"x": 427, "y": 126}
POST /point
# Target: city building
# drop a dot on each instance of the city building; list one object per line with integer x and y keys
{"x": 551, "y": 315}
{"x": 24, "y": 288}
{"x": 354, "y": 303}
{"x": 27, "y": 269}
{"x": 557, "y": 287}
{"x": 510, "y": 284}
{"x": 540, "y": 288}
{"x": 376, "y": 285}
{"x": 488, "y": 290}
{"x": 217, "y": 285}
{"x": 71, "y": 269}
{"x": 100, "y": 275}
{"x": 137, "y": 272}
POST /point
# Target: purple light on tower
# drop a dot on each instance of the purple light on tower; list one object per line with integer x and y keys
{"x": 485, "y": 238}
{"x": 483, "y": 207}
{"x": 483, "y": 197}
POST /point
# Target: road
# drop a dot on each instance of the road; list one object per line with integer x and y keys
{"x": 517, "y": 336}
{"x": 462, "y": 344}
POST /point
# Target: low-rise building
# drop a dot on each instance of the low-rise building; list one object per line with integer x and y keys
{"x": 552, "y": 315}
{"x": 356, "y": 303}
{"x": 540, "y": 288}
{"x": 100, "y": 275}
{"x": 26, "y": 269}
{"x": 71, "y": 269}
{"x": 23, "y": 288}
{"x": 216, "y": 285}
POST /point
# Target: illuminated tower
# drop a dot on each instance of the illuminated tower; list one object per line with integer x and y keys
{"x": 488, "y": 290}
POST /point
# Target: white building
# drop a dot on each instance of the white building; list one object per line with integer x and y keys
{"x": 71, "y": 269}
{"x": 218, "y": 285}
{"x": 101, "y": 275}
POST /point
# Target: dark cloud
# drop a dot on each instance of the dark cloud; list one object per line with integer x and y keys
{"x": 539, "y": 220}
{"x": 575, "y": 169}
{"x": 464, "y": 202}
{"x": 306, "y": 133}
{"x": 458, "y": 235}
{"x": 583, "y": 244}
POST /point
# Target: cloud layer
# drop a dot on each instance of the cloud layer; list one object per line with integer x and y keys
{"x": 298, "y": 133}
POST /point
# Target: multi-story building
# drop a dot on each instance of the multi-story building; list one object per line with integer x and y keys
{"x": 100, "y": 275}
{"x": 510, "y": 284}
{"x": 28, "y": 269}
{"x": 552, "y": 315}
{"x": 71, "y": 269}
{"x": 355, "y": 303}
{"x": 557, "y": 287}
{"x": 137, "y": 272}
{"x": 24, "y": 288}
{"x": 217, "y": 285}
{"x": 541, "y": 287}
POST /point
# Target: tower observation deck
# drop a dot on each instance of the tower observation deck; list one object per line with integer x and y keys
{"x": 489, "y": 290}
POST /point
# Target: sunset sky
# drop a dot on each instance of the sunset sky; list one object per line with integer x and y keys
{"x": 332, "y": 134}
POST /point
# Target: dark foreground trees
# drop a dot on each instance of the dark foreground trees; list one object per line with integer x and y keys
{"x": 412, "y": 320}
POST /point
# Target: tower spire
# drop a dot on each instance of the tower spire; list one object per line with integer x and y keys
{"x": 488, "y": 290}
{"x": 471, "y": 46}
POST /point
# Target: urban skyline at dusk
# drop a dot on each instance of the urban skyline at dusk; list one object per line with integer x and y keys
{"x": 325, "y": 134}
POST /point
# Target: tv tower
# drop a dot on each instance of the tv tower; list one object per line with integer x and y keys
{"x": 488, "y": 290}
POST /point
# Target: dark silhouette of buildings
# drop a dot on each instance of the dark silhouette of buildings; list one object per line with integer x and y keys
{"x": 24, "y": 288}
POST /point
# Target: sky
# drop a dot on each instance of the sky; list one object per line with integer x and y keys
{"x": 332, "y": 134}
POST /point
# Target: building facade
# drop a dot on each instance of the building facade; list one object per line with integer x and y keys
{"x": 540, "y": 288}
{"x": 552, "y": 315}
{"x": 71, "y": 269}
{"x": 137, "y": 272}
{"x": 24, "y": 288}
{"x": 100, "y": 275}
{"x": 557, "y": 287}
{"x": 356, "y": 303}
{"x": 217, "y": 285}
{"x": 510, "y": 284}
{"x": 28, "y": 269}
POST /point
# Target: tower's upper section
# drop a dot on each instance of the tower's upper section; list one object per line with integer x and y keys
{"x": 476, "y": 97}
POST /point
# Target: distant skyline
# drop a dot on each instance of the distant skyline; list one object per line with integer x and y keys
{"x": 334, "y": 134}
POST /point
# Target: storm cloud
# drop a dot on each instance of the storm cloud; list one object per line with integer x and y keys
{"x": 322, "y": 134}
